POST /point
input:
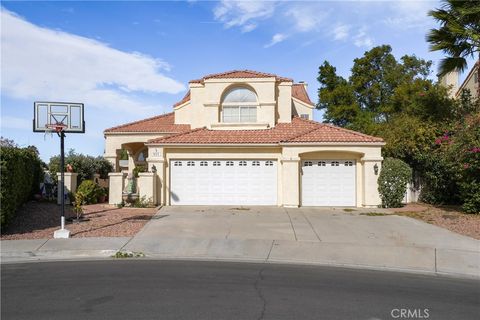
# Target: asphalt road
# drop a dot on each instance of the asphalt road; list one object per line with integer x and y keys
{"x": 146, "y": 289}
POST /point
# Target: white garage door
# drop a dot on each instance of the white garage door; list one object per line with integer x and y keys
{"x": 223, "y": 182}
{"x": 328, "y": 183}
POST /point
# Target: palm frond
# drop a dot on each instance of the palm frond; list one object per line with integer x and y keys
{"x": 451, "y": 64}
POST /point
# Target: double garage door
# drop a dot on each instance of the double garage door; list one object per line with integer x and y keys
{"x": 254, "y": 182}
{"x": 223, "y": 182}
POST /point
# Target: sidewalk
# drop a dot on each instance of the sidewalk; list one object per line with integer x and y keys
{"x": 430, "y": 260}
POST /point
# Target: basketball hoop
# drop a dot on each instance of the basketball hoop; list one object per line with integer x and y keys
{"x": 54, "y": 127}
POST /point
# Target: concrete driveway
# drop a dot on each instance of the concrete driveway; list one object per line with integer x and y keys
{"x": 321, "y": 225}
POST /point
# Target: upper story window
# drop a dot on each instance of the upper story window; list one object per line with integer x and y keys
{"x": 239, "y": 105}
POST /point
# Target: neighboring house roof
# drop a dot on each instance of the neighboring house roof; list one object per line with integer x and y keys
{"x": 299, "y": 130}
{"x": 162, "y": 123}
{"x": 299, "y": 92}
{"x": 240, "y": 74}
{"x": 468, "y": 78}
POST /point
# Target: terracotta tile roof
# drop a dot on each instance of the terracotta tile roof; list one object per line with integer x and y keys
{"x": 184, "y": 99}
{"x": 299, "y": 130}
{"x": 240, "y": 74}
{"x": 299, "y": 92}
{"x": 162, "y": 123}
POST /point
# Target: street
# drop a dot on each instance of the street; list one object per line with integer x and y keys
{"x": 150, "y": 289}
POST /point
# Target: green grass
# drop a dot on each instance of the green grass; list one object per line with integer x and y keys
{"x": 349, "y": 210}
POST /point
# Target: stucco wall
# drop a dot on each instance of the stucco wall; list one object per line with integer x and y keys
{"x": 299, "y": 108}
{"x": 204, "y": 108}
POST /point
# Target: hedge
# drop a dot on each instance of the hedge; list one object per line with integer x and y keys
{"x": 21, "y": 174}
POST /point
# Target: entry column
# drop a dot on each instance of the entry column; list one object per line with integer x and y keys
{"x": 291, "y": 181}
{"x": 157, "y": 164}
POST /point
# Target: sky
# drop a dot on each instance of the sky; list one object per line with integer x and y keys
{"x": 128, "y": 60}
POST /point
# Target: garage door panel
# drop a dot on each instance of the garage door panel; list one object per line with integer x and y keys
{"x": 328, "y": 183}
{"x": 227, "y": 182}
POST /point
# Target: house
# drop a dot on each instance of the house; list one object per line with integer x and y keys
{"x": 246, "y": 138}
{"x": 470, "y": 83}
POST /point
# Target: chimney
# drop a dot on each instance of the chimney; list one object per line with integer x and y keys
{"x": 305, "y": 85}
{"x": 450, "y": 80}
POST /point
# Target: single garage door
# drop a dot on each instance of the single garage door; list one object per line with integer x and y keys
{"x": 223, "y": 182}
{"x": 328, "y": 183}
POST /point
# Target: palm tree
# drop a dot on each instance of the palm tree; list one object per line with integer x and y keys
{"x": 458, "y": 36}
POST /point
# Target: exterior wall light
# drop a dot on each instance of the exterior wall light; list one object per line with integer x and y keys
{"x": 375, "y": 169}
{"x": 154, "y": 169}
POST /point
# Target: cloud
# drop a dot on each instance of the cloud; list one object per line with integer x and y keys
{"x": 44, "y": 64}
{"x": 341, "y": 32}
{"x": 243, "y": 14}
{"x": 278, "y": 37}
{"x": 307, "y": 17}
{"x": 15, "y": 123}
{"x": 410, "y": 14}
{"x": 361, "y": 39}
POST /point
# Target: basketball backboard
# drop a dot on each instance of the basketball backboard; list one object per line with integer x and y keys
{"x": 46, "y": 114}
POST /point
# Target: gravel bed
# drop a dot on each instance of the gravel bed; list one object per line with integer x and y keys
{"x": 448, "y": 217}
{"x": 38, "y": 220}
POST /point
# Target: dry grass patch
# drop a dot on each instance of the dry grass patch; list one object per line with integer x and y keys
{"x": 448, "y": 217}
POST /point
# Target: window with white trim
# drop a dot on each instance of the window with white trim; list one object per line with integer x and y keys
{"x": 269, "y": 163}
{"x": 229, "y": 163}
{"x": 307, "y": 163}
{"x": 239, "y": 105}
{"x": 216, "y": 163}
{"x": 203, "y": 164}
{"x": 255, "y": 163}
{"x": 322, "y": 163}
{"x": 177, "y": 163}
{"x": 335, "y": 163}
{"x": 242, "y": 163}
{"x": 190, "y": 163}
{"x": 349, "y": 163}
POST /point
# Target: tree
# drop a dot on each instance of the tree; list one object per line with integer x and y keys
{"x": 380, "y": 88}
{"x": 458, "y": 36}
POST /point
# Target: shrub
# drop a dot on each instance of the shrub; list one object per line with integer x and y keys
{"x": 392, "y": 182}
{"x": 85, "y": 166}
{"x": 90, "y": 191}
{"x": 139, "y": 169}
{"x": 21, "y": 174}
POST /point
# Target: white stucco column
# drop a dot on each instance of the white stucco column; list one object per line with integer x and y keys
{"x": 371, "y": 197}
{"x": 70, "y": 183}
{"x": 290, "y": 182}
{"x": 146, "y": 184}
{"x": 113, "y": 159}
{"x": 115, "y": 188}
{"x": 156, "y": 158}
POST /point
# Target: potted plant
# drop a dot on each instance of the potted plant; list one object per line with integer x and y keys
{"x": 102, "y": 194}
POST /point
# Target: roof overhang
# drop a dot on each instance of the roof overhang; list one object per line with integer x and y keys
{"x": 308, "y": 105}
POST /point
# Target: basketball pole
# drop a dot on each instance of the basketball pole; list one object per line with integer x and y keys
{"x": 62, "y": 176}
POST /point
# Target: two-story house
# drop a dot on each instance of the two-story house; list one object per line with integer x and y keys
{"x": 248, "y": 138}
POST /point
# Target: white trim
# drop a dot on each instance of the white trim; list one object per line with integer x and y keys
{"x": 180, "y": 106}
{"x": 311, "y": 106}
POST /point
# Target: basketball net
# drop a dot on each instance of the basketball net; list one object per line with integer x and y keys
{"x": 54, "y": 127}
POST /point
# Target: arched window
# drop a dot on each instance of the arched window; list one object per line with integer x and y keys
{"x": 239, "y": 105}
